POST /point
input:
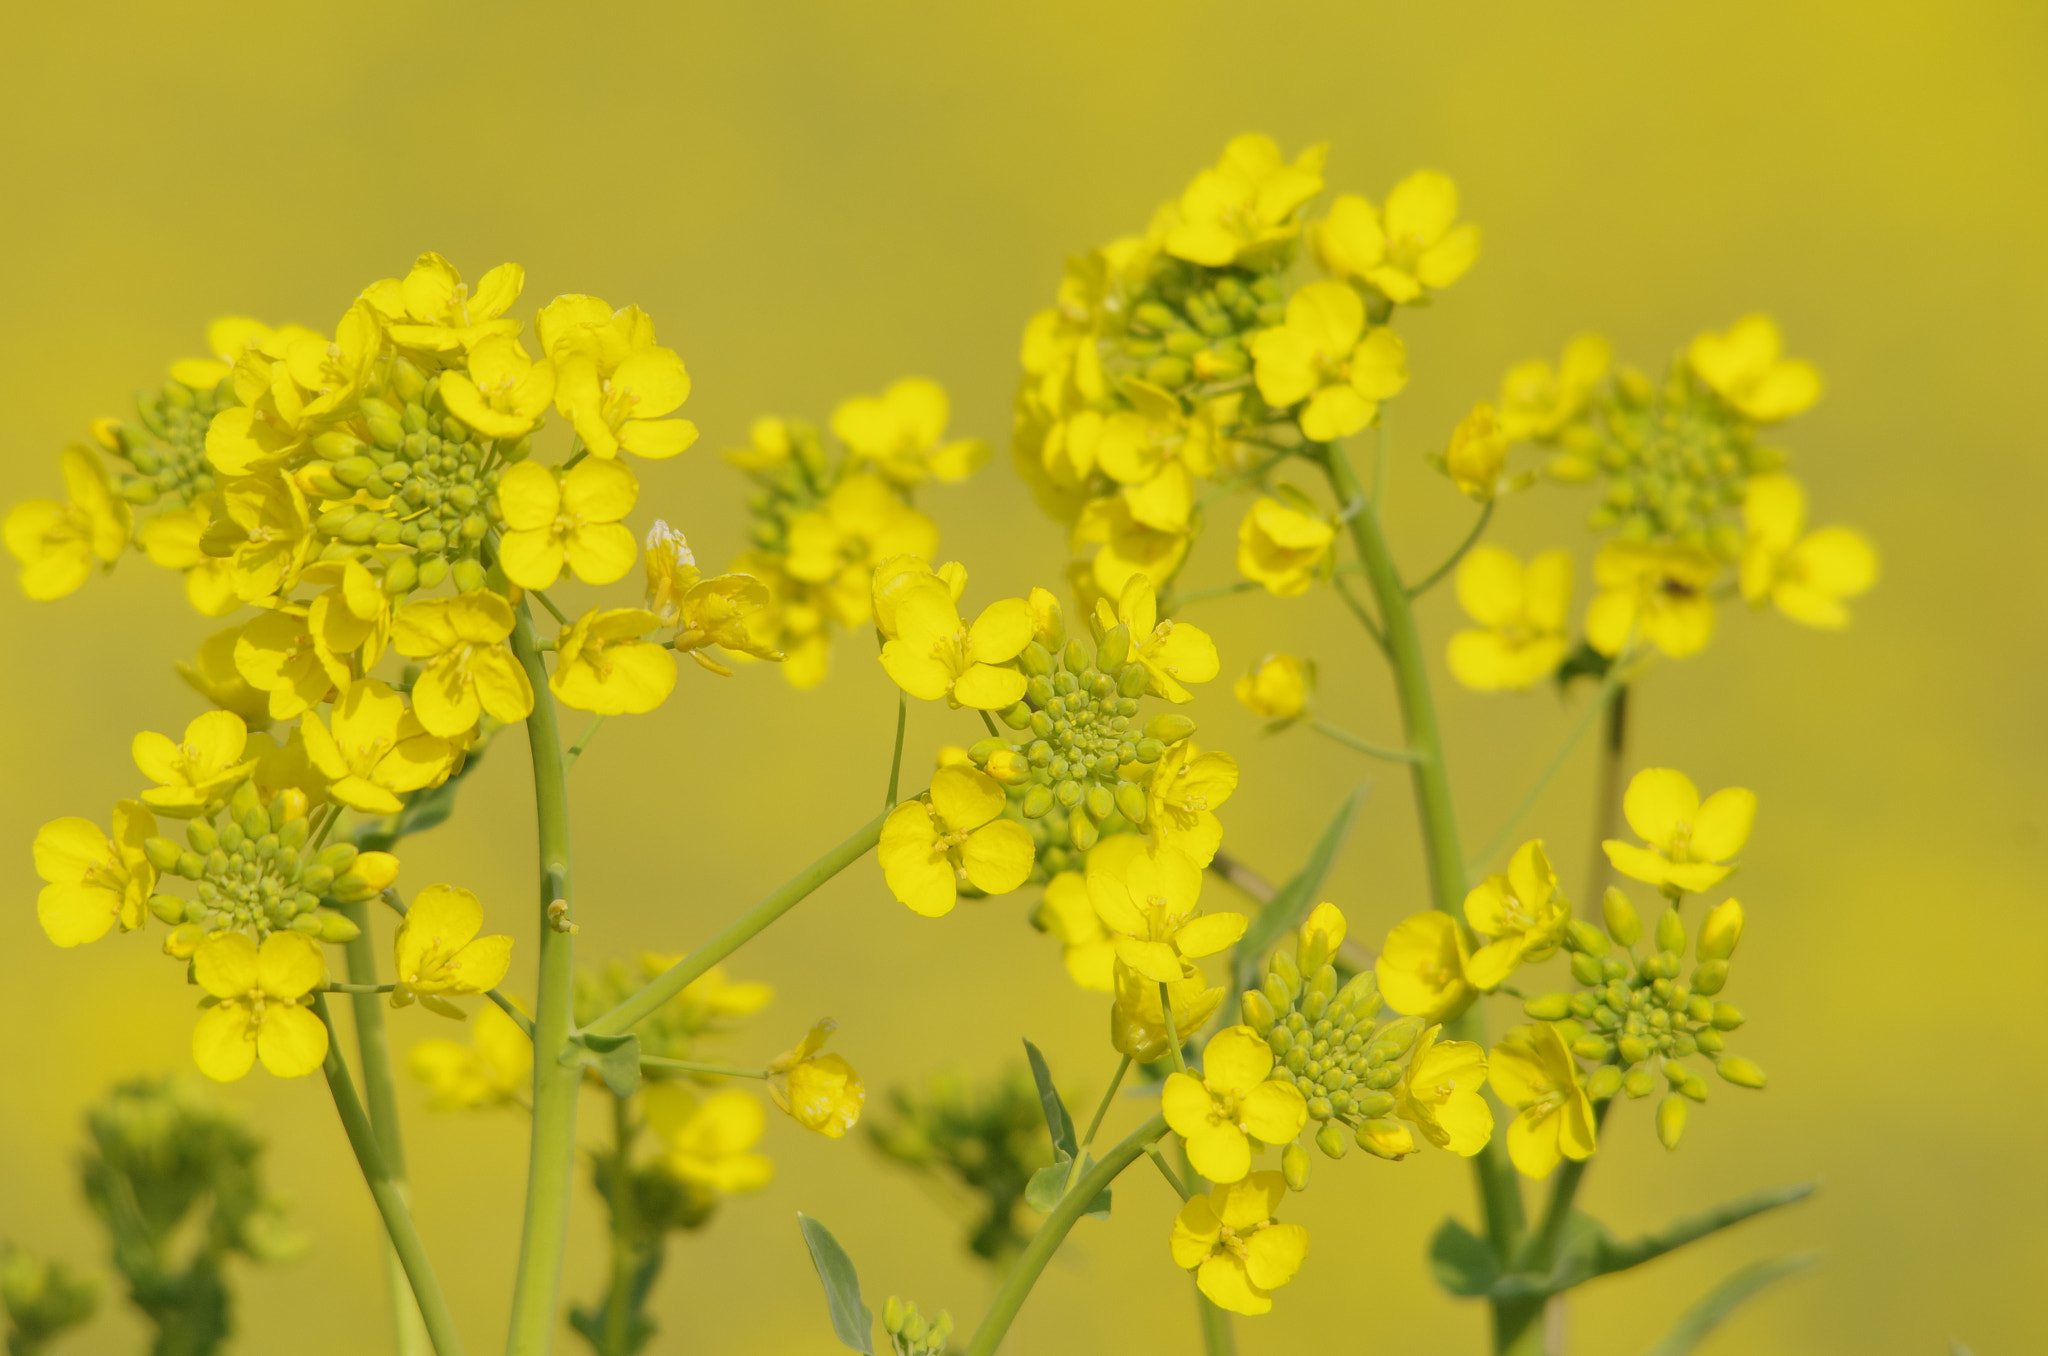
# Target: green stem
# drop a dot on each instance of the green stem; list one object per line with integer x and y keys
{"x": 896, "y": 759}
{"x": 388, "y": 1193}
{"x": 373, "y": 1050}
{"x": 1218, "y": 1339}
{"x": 1220, "y": 591}
{"x": 692, "y": 1066}
{"x": 618, "y": 1309}
{"x": 1123, "y": 1067}
{"x": 1519, "y": 1324}
{"x": 990, "y": 721}
{"x": 551, "y": 1168}
{"x": 1180, "y": 1064}
{"x": 1607, "y": 789}
{"x": 359, "y": 990}
{"x": 673, "y": 980}
{"x": 1471, "y": 539}
{"x": 554, "y": 611}
{"x": 1607, "y": 699}
{"x": 1180, "y": 1188}
{"x": 1030, "y": 1264}
{"x": 582, "y": 742}
{"x": 1352, "y": 741}
{"x": 1372, "y": 628}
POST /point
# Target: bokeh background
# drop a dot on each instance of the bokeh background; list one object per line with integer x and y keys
{"x": 813, "y": 200}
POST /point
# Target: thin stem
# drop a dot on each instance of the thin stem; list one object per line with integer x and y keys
{"x": 359, "y": 990}
{"x": 386, "y": 1191}
{"x": 692, "y": 1066}
{"x": 1220, "y": 591}
{"x": 1030, "y": 1264}
{"x": 990, "y": 721}
{"x": 1541, "y": 1251}
{"x": 373, "y": 1050}
{"x": 551, "y": 1168}
{"x": 1180, "y": 1188}
{"x": 1607, "y": 790}
{"x": 1123, "y": 1067}
{"x": 896, "y": 759}
{"x": 1218, "y": 1338}
{"x": 741, "y": 930}
{"x": 558, "y": 615}
{"x": 1256, "y": 473}
{"x": 1365, "y": 618}
{"x": 1352, "y": 741}
{"x": 326, "y": 827}
{"x": 1471, "y": 539}
{"x": 582, "y": 742}
{"x": 1601, "y": 702}
{"x": 1180, "y": 1064}
{"x": 618, "y": 1309}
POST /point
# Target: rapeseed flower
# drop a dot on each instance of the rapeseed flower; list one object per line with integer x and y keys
{"x": 603, "y": 664}
{"x": 1745, "y": 366}
{"x": 92, "y": 881}
{"x": 1245, "y": 206}
{"x": 1417, "y": 248}
{"x": 371, "y": 749}
{"x": 1325, "y": 355}
{"x": 935, "y": 654}
{"x": 1522, "y": 611}
{"x": 625, "y": 406}
{"x": 1146, "y": 895}
{"x": 58, "y": 543}
{"x": 709, "y": 1141}
{"x": 1690, "y": 845}
{"x": 574, "y": 519}
{"x": 1440, "y": 1094}
{"x": 1067, "y": 911}
{"x": 1277, "y": 687}
{"x": 838, "y": 545}
{"x": 899, "y": 433}
{"x": 1172, "y": 652}
{"x": 260, "y": 1012}
{"x": 953, "y": 834}
{"x": 467, "y": 668}
{"x": 1187, "y": 786}
{"x": 1655, "y": 592}
{"x": 1231, "y": 1104}
{"x": 1534, "y": 1073}
{"x": 1138, "y": 1018}
{"x": 1537, "y": 401}
{"x": 1282, "y": 547}
{"x": 437, "y": 953}
{"x": 1129, "y": 548}
{"x": 1478, "y": 450}
{"x": 503, "y": 393}
{"x": 494, "y": 1069}
{"x": 1236, "y": 1249}
{"x": 194, "y": 776}
{"x": 171, "y": 540}
{"x": 277, "y": 654}
{"x": 1421, "y": 970}
{"x": 818, "y": 1092}
{"x": 1805, "y": 575}
{"x": 432, "y": 310}
{"x": 1521, "y": 912}
{"x": 214, "y": 676}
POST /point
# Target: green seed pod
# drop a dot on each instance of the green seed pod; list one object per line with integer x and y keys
{"x": 1709, "y": 977}
{"x": 1294, "y": 1167}
{"x": 1622, "y": 923}
{"x": 1741, "y": 1072}
{"x": 1330, "y": 1139}
{"x": 1605, "y": 1082}
{"x": 1169, "y": 727}
{"x": 1549, "y": 1007}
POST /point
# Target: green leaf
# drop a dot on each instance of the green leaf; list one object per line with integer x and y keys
{"x": 1462, "y": 1261}
{"x": 616, "y": 1059}
{"x": 1049, "y": 1184}
{"x": 852, "y": 1322}
{"x": 1294, "y": 899}
{"x": 1724, "y": 1299}
{"x": 1057, "y": 1122}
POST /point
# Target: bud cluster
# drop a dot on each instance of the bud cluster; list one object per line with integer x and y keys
{"x": 168, "y": 451}
{"x": 792, "y": 477}
{"x": 1190, "y": 323}
{"x": 911, "y": 1333}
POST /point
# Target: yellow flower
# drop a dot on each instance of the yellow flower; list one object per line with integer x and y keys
{"x": 954, "y": 833}
{"x": 1524, "y": 612}
{"x": 1187, "y": 786}
{"x": 710, "y": 1141}
{"x": 575, "y": 519}
{"x": 935, "y": 654}
{"x": 818, "y": 1092}
{"x": 899, "y": 433}
{"x": 431, "y": 309}
{"x": 1245, "y": 206}
{"x": 1806, "y": 575}
{"x": 1478, "y": 450}
{"x": 1282, "y": 547}
{"x": 1129, "y": 547}
{"x": 1691, "y": 846}
{"x": 93, "y": 882}
{"x": 624, "y": 408}
{"x": 1138, "y": 1019}
{"x": 227, "y": 339}
{"x": 575, "y": 325}
{"x": 724, "y": 611}
{"x": 1231, "y": 1104}
{"x": 213, "y": 675}
{"x": 1277, "y": 687}
{"x": 468, "y": 669}
{"x": 372, "y": 750}
{"x": 1420, "y": 248}
{"x": 196, "y": 775}
{"x": 437, "y": 951}
{"x": 1172, "y": 652}
{"x": 494, "y": 1069}
{"x": 839, "y": 545}
{"x": 1534, "y": 1073}
{"x": 57, "y": 543}
{"x": 260, "y": 1013}
{"x": 1656, "y": 592}
{"x": 1537, "y": 401}
{"x": 264, "y": 533}
{"x": 1746, "y": 368}
{"x": 1523, "y": 914}
{"x": 172, "y": 540}
{"x": 1154, "y": 450}
{"x": 1230, "y": 1240}
{"x": 1324, "y": 354}
{"x": 900, "y": 575}
{"x": 1422, "y": 968}
{"x": 1440, "y": 1094}
{"x": 1067, "y": 912}
{"x": 1146, "y": 896}
{"x": 277, "y": 654}
{"x": 602, "y": 664}
{"x": 503, "y": 393}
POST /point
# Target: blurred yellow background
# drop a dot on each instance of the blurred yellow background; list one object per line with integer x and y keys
{"x": 813, "y": 200}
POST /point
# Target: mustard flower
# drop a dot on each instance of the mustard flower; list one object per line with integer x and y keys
{"x": 227, "y": 339}
{"x": 1419, "y": 246}
{"x": 1282, "y": 547}
{"x": 953, "y": 833}
{"x": 1138, "y": 1017}
{"x": 935, "y": 654}
{"x": 437, "y": 953}
{"x": 1522, "y": 611}
{"x": 276, "y": 653}
{"x": 503, "y": 393}
{"x": 1478, "y": 451}
{"x": 1172, "y": 652}
{"x": 723, "y": 611}
{"x": 1521, "y": 912}
{"x": 214, "y": 676}
{"x": 196, "y": 775}
{"x": 574, "y": 520}
{"x": 1230, "y": 1240}
{"x": 1421, "y": 970}
{"x": 1068, "y": 913}
{"x": 818, "y": 1092}
{"x": 1325, "y": 355}
{"x": 372, "y": 749}
{"x": 900, "y": 432}
{"x": 58, "y": 543}
{"x": 1805, "y": 575}
{"x": 900, "y": 575}
{"x": 171, "y": 539}
{"x": 709, "y": 1142}
{"x": 1690, "y": 845}
{"x": 1440, "y": 1094}
{"x": 1537, "y": 400}
{"x": 603, "y": 664}
{"x": 92, "y": 881}
{"x": 467, "y": 668}
{"x": 1277, "y": 687}
{"x": 1187, "y": 786}
{"x": 432, "y": 309}
{"x": 1129, "y": 548}
{"x": 1534, "y": 1073}
{"x": 1146, "y": 895}
{"x": 1245, "y": 206}
{"x": 838, "y": 545}
{"x": 264, "y": 532}
{"x": 575, "y": 325}
{"x": 625, "y": 407}
{"x": 1232, "y": 1103}
{"x": 1653, "y": 591}
{"x": 260, "y": 1012}
{"x": 1746, "y": 367}
{"x": 494, "y": 1069}
{"x": 1154, "y": 450}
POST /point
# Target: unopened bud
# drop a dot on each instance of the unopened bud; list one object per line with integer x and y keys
{"x": 1727, "y": 1016}
{"x": 335, "y": 927}
{"x": 1671, "y": 933}
{"x": 1385, "y": 1138}
{"x": 1741, "y": 1072}
{"x": 1549, "y": 1007}
{"x": 167, "y": 909}
{"x": 1622, "y": 923}
{"x": 1258, "y": 1013}
{"x": 1671, "y": 1114}
{"x": 1294, "y": 1166}
{"x": 1169, "y": 727}
{"x": 1586, "y": 969}
{"x": 1586, "y": 939}
{"x": 1605, "y": 1082}
{"x": 1710, "y": 977}
{"x": 163, "y": 854}
{"x": 1330, "y": 1139}
{"x": 1721, "y": 931}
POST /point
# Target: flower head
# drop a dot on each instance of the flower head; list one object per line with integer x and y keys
{"x": 1421, "y": 970}
{"x": 1745, "y": 367}
{"x": 1277, "y": 687}
{"x": 818, "y": 1092}
{"x": 1534, "y": 1073}
{"x": 1478, "y": 450}
{"x": 1325, "y": 355}
{"x": 494, "y": 1069}
{"x": 468, "y": 668}
{"x": 574, "y": 520}
{"x": 373, "y": 749}
{"x": 1655, "y": 591}
{"x": 260, "y": 1012}
{"x": 93, "y": 881}
{"x": 935, "y": 654}
{"x": 1187, "y": 786}
{"x": 1537, "y": 400}
{"x": 1440, "y": 1094}
{"x": 1690, "y": 846}
{"x": 900, "y": 432}
{"x": 1282, "y": 547}
{"x": 1419, "y": 246}
{"x": 1808, "y": 576}
{"x": 709, "y": 1140}
{"x": 58, "y": 543}
{"x": 1522, "y": 611}
{"x": 1523, "y": 914}
{"x": 1138, "y": 1019}
{"x": 1146, "y": 895}
{"x": 1246, "y": 205}
{"x": 953, "y": 834}
{"x": 431, "y": 309}
{"x": 197, "y": 774}
{"x": 1236, "y": 1249}
{"x": 1172, "y": 652}
{"x": 604, "y": 664}
{"x": 503, "y": 393}
{"x": 437, "y": 952}
{"x": 1232, "y": 1103}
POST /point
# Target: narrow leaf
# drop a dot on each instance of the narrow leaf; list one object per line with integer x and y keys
{"x": 852, "y": 1322}
{"x": 619, "y": 1067}
{"x": 1294, "y": 899}
{"x": 1047, "y": 1185}
{"x": 1692, "y": 1228}
{"x": 1057, "y": 1121}
{"x": 1724, "y": 1299}
{"x": 1462, "y": 1262}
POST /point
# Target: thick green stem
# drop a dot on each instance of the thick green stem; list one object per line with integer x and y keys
{"x": 618, "y": 1309}
{"x": 677, "y": 977}
{"x": 551, "y": 1168}
{"x": 1218, "y": 1339}
{"x": 1025, "y": 1271}
{"x": 373, "y": 1052}
{"x": 389, "y": 1195}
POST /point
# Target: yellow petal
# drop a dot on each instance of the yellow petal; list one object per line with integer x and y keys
{"x": 1236, "y": 1060}
{"x": 1658, "y": 801}
{"x": 1722, "y": 824}
{"x": 222, "y": 1044}
{"x": 997, "y": 857}
{"x": 1223, "y": 1279}
{"x": 1186, "y": 1104}
{"x": 292, "y": 1042}
{"x": 1220, "y": 1152}
{"x": 1275, "y": 1111}
{"x": 1211, "y": 933}
{"x": 1274, "y": 1254}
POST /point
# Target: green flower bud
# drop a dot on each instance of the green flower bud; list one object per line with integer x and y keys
{"x": 1549, "y": 1007}
{"x": 1385, "y": 1138}
{"x": 1605, "y": 1082}
{"x": 355, "y": 471}
{"x": 1017, "y": 716}
{"x": 336, "y": 857}
{"x": 1132, "y": 681}
{"x": 163, "y": 854}
{"x": 1169, "y": 727}
{"x": 1586, "y": 970}
{"x": 1633, "y": 1050}
{"x": 305, "y": 926}
{"x": 1741, "y": 1072}
{"x": 1671, "y": 1114}
{"x": 1257, "y": 1012}
{"x": 1330, "y": 1139}
{"x": 1294, "y": 1167}
{"x": 1082, "y": 833}
{"x": 1639, "y": 1083}
{"x": 1710, "y": 977}
{"x": 468, "y": 572}
{"x": 191, "y": 865}
{"x": 893, "y": 1315}
{"x": 401, "y": 576}
{"x": 1709, "y": 1041}
{"x": 1319, "y": 1108}
{"x": 1622, "y": 923}
{"x": 1721, "y": 931}
{"x": 1671, "y": 933}
{"x": 1591, "y": 1047}
{"x": 432, "y": 570}
{"x": 167, "y": 909}
{"x": 336, "y": 927}
{"x": 1037, "y": 802}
